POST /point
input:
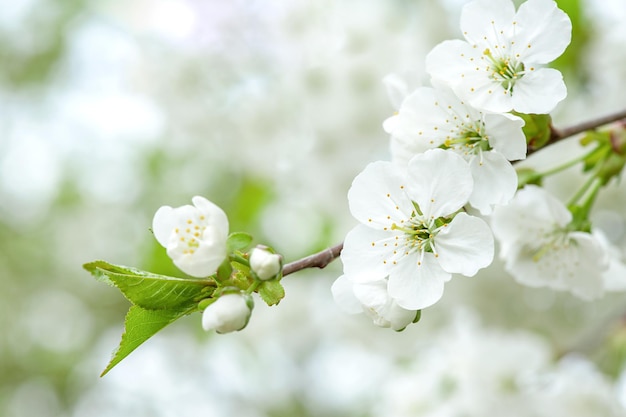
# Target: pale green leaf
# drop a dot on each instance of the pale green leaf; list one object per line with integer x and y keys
{"x": 152, "y": 291}
{"x": 238, "y": 241}
{"x": 271, "y": 292}
{"x": 139, "y": 326}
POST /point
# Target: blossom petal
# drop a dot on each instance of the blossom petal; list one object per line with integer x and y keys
{"x": 397, "y": 89}
{"x": 615, "y": 275}
{"x": 525, "y": 218}
{"x": 213, "y": 214}
{"x": 372, "y": 294}
{"x": 544, "y": 31}
{"x": 367, "y": 251}
{"x": 163, "y": 224}
{"x": 539, "y": 91}
{"x": 344, "y": 296}
{"x": 505, "y": 135}
{"x": 416, "y": 286}
{"x": 399, "y": 317}
{"x": 440, "y": 182}
{"x": 377, "y": 196}
{"x": 449, "y": 60}
{"x": 465, "y": 245}
{"x": 483, "y": 20}
{"x": 423, "y": 118}
{"x": 495, "y": 181}
{"x": 402, "y": 150}
{"x": 577, "y": 267}
{"x": 205, "y": 259}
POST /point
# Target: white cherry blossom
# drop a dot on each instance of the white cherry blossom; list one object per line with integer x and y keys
{"x": 194, "y": 236}
{"x": 435, "y": 117}
{"x": 411, "y": 229}
{"x": 540, "y": 249}
{"x": 369, "y": 295}
{"x": 499, "y": 66}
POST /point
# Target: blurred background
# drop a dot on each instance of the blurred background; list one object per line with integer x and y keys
{"x": 111, "y": 109}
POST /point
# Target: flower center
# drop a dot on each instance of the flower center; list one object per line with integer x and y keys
{"x": 505, "y": 70}
{"x": 470, "y": 139}
{"x": 189, "y": 233}
{"x": 559, "y": 239}
{"x": 420, "y": 233}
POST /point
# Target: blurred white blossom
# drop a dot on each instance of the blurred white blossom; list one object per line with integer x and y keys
{"x": 540, "y": 250}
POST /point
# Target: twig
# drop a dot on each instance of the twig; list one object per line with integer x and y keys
{"x": 317, "y": 260}
{"x": 323, "y": 258}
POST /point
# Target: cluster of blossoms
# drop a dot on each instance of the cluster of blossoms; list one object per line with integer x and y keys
{"x": 452, "y": 144}
{"x": 471, "y": 370}
{"x": 196, "y": 239}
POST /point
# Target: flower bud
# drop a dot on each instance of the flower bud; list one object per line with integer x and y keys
{"x": 264, "y": 264}
{"x": 230, "y": 312}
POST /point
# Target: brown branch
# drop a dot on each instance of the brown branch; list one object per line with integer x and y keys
{"x": 560, "y": 134}
{"x": 317, "y": 260}
{"x": 323, "y": 258}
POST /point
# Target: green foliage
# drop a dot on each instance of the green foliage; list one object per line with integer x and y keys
{"x": 607, "y": 160}
{"x": 571, "y": 62}
{"x": 140, "y": 325}
{"x": 152, "y": 291}
{"x": 611, "y": 355}
{"x": 224, "y": 271}
{"x": 238, "y": 241}
{"x": 158, "y": 300}
{"x": 241, "y": 278}
{"x": 537, "y": 129}
{"x": 271, "y": 291}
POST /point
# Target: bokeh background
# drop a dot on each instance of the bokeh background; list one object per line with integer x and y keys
{"x": 110, "y": 109}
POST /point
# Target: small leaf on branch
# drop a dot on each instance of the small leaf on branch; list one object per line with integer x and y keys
{"x": 536, "y": 129}
{"x": 139, "y": 326}
{"x": 271, "y": 292}
{"x": 238, "y": 241}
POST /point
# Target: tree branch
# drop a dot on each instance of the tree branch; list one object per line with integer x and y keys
{"x": 323, "y": 258}
{"x": 560, "y": 134}
{"x": 317, "y": 260}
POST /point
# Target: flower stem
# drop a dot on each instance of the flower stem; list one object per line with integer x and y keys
{"x": 591, "y": 196}
{"x": 565, "y": 165}
{"x": 240, "y": 259}
{"x": 253, "y": 287}
{"x": 581, "y": 191}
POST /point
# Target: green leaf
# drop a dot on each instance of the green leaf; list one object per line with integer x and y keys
{"x": 271, "y": 292}
{"x": 224, "y": 271}
{"x": 238, "y": 241}
{"x": 536, "y": 129}
{"x": 139, "y": 326}
{"x": 151, "y": 291}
